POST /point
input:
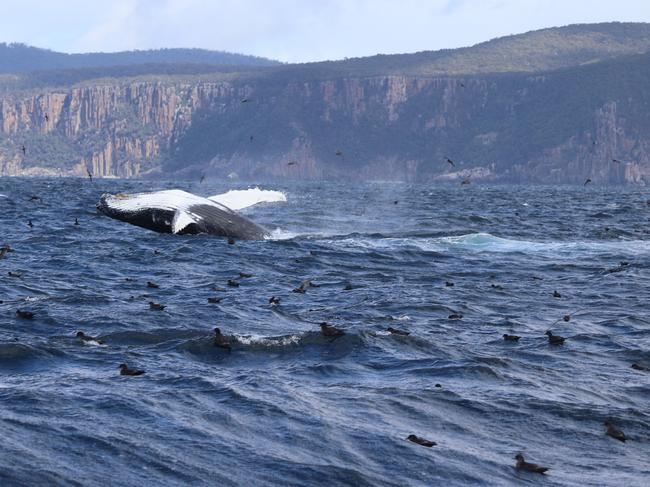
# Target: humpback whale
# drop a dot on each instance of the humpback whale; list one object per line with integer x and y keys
{"x": 179, "y": 212}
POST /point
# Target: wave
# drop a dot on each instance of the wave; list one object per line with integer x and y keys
{"x": 238, "y": 199}
{"x": 485, "y": 242}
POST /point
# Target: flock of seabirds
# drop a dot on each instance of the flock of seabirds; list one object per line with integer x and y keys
{"x": 330, "y": 331}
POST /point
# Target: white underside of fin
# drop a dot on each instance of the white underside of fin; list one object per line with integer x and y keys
{"x": 244, "y": 198}
{"x": 181, "y": 220}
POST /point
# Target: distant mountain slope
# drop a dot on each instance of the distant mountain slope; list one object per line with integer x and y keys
{"x": 20, "y": 58}
{"x": 540, "y": 50}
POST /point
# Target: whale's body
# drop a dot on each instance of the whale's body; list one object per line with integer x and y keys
{"x": 179, "y": 212}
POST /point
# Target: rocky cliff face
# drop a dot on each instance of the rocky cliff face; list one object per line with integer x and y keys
{"x": 555, "y": 128}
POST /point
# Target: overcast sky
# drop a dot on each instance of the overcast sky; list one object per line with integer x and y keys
{"x": 293, "y": 30}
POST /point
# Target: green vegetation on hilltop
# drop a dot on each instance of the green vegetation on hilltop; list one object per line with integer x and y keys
{"x": 20, "y": 58}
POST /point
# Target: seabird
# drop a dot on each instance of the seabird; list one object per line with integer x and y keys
{"x": 273, "y": 301}
{"x": 330, "y": 330}
{"x": 556, "y": 294}
{"x": 30, "y": 224}
{"x": 528, "y": 467}
{"x": 587, "y": 181}
{"x": 47, "y": 118}
{"x": 511, "y": 338}
{"x": 251, "y": 138}
{"x": 339, "y": 152}
{"x": 4, "y": 249}
{"x": 455, "y": 316}
{"x": 245, "y": 100}
{"x": 214, "y": 300}
{"x": 421, "y": 441}
{"x": 616, "y": 160}
{"x": 14, "y": 274}
{"x": 566, "y": 318}
{"x": 220, "y": 340}
{"x": 245, "y": 275}
{"x": 450, "y": 162}
{"x": 233, "y": 283}
{"x": 465, "y": 181}
{"x": 397, "y": 331}
{"x": 125, "y": 370}
{"x": 26, "y": 315}
{"x": 90, "y": 175}
{"x": 554, "y": 339}
{"x": 24, "y": 149}
{"x": 449, "y": 284}
{"x": 152, "y": 285}
{"x": 614, "y": 432}
{"x": 640, "y": 367}
{"x": 87, "y": 338}
{"x": 292, "y": 163}
{"x": 76, "y": 221}
{"x": 157, "y": 306}
{"x": 202, "y": 178}
{"x": 304, "y": 285}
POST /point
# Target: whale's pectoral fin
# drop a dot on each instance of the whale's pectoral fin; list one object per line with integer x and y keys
{"x": 183, "y": 219}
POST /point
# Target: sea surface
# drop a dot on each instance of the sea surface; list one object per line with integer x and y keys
{"x": 288, "y": 406}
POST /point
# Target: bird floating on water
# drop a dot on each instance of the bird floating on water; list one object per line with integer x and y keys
{"x": 26, "y": 315}
{"x": 528, "y": 467}
{"x": 421, "y": 441}
{"x": 87, "y": 338}
{"x": 614, "y": 432}
{"x": 397, "y": 331}
{"x": 221, "y": 340}
{"x": 125, "y": 370}
{"x": 511, "y": 338}
{"x": 157, "y": 306}
{"x": 330, "y": 330}
{"x": 554, "y": 339}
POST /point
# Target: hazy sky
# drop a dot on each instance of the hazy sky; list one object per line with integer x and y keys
{"x": 293, "y": 30}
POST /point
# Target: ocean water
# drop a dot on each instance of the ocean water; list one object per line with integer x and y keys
{"x": 288, "y": 406}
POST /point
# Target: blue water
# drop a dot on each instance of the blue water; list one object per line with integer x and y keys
{"x": 290, "y": 407}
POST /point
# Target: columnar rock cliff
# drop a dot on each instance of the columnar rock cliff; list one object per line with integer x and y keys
{"x": 317, "y": 122}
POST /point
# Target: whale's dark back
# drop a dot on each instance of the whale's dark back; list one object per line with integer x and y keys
{"x": 212, "y": 218}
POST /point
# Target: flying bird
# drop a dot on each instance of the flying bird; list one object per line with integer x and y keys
{"x": 47, "y": 118}
{"x": 616, "y": 160}
{"x": 292, "y": 163}
{"x": 202, "y": 178}
{"x": 24, "y": 149}
{"x": 339, "y": 152}
{"x": 450, "y": 162}
{"x": 587, "y": 181}
{"x": 90, "y": 175}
